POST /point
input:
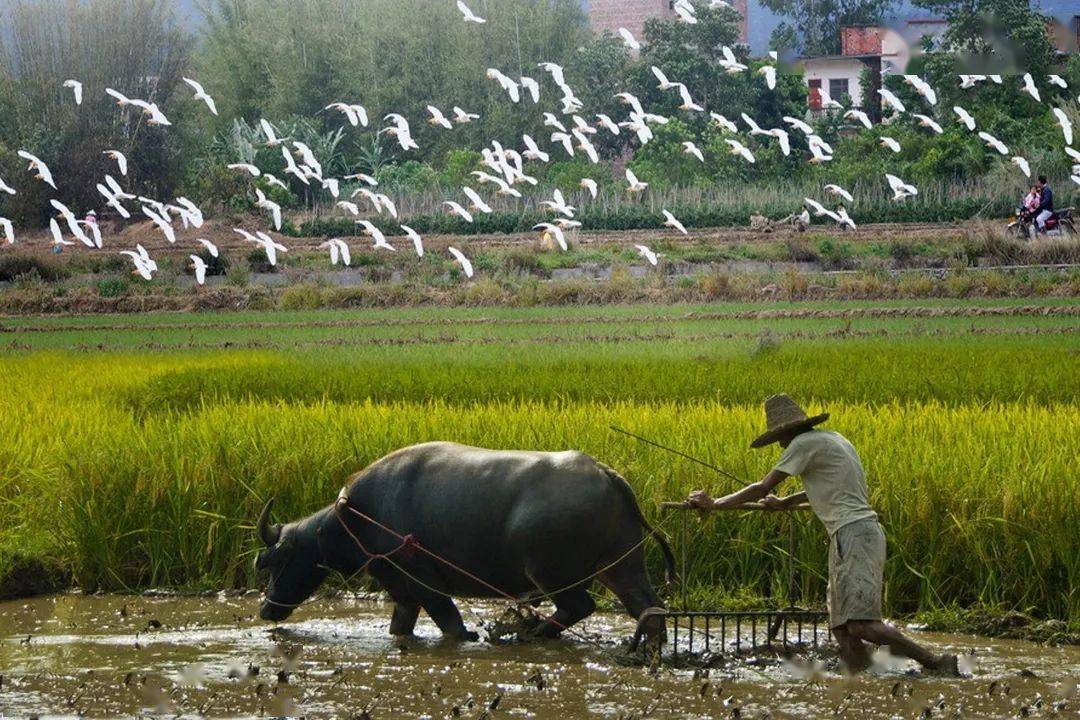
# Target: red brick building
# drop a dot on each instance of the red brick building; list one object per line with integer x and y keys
{"x": 632, "y": 14}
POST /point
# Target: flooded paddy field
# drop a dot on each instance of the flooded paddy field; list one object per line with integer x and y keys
{"x": 71, "y": 655}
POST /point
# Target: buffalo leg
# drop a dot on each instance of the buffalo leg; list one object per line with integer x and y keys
{"x": 571, "y": 606}
{"x": 403, "y": 621}
{"x": 446, "y": 615}
{"x": 634, "y": 591}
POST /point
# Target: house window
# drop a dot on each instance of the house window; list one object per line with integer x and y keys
{"x": 838, "y": 89}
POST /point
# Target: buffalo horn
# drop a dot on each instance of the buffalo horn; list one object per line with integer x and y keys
{"x": 268, "y": 533}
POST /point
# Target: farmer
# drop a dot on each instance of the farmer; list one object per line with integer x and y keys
{"x": 835, "y": 487}
{"x": 1045, "y": 210}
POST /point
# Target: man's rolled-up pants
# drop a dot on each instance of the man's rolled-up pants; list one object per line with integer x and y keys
{"x": 1042, "y": 217}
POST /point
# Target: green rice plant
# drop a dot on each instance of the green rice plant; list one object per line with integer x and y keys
{"x": 137, "y": 469}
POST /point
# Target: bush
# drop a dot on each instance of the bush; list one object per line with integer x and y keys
{"x": 113, "y": 287}
{"x": 302, "y": 297}
{"x": 14, "y": 266}
{"x": 259, "y": 263}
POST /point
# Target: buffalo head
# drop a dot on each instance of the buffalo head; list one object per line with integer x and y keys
{"x": 292, "y": 560}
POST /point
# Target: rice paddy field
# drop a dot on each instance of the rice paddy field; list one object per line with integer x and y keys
{"x": 138, "y": 448}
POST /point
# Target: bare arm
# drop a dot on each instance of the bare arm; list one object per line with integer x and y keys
{"x": 750, "y": 493}
{"x": 790, "y": 502}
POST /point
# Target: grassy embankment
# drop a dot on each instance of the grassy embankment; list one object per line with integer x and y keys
{"x": 139, "y": 448}
{"x": 604, "y": 268}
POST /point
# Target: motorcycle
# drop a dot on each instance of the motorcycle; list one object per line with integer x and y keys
{"x": 1024, "y": 227}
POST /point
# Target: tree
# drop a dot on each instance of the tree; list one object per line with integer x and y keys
{"x": 134, "y": 46}
{"x": 999, "y": 36}
{"x": 812, "y": 27}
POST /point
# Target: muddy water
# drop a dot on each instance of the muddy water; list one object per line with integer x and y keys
{"x": 111, "y": 656}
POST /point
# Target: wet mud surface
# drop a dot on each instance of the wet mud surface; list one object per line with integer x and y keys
{"x": 69, "y": 655}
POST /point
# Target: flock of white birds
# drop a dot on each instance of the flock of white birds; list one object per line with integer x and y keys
{"x": 505, "y": 167}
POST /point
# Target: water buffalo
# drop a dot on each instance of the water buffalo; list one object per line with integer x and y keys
{"x": 523, "y": 522}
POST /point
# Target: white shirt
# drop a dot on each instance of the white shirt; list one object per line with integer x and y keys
{"x": 832, "y": 476}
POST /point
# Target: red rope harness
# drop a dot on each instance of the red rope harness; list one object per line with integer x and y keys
{"x": 410, "y": 543}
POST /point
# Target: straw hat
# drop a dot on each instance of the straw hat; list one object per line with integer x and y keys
{"x": 781, "y": 415}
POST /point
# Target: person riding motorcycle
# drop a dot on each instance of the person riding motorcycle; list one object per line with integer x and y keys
{"x": 1045, "y": 209}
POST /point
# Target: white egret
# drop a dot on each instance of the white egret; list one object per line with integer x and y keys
{"x": 688, "y": 103}
{"x": 842, "y": 218}
{"x": 901, "y": 189}
{"x": 142, "y": 268}
{"x": 364, "y": 178}
{"x": 462, "y": 118}
{"x": 339, "y": 251}
{"x": 783, "y": 138}
{"x": 889, "y": 142}
{"x": 161, "y": 222}
{"x": 628, "y": 39}
{"x": 246, "y": 167}
{"x": 737, "y": 148}
{"x": 964, "y": 118}
{"x": 9, "y": 230}
{"x": 476, "y": 202}
{"x": 530, "y": 84}
{"x": 922, "y": 87}
{"x": 533, "y": 151}
{"x": 690, "y": 148}
{"x": 39, "y": 168}
{"x": 510, "y": 86}
{"x": 58, "y": 240}
{"x": 121, "y": 99}
{"x": 859, "y": 116}
{"x": 5, "y": 188}
{"x": 607, "y": 123}
{"x": 261, "y": 201}
{"x": 558, "y": 204}
{"x": 723, "y": 123}
{"x": 586, "y": 146}
{"x": 437, "y": 118}
{"x": 199, "y": 266}
{"x": 468, "y": 15}
{"x": 456, "y": 209}
{"x": 799, "y": 125}
{"x": 820, "y": 210}
{"x": 459, "y": 256}
{"x": 928, "y": 122}
{"x": 590, "y": 185}
{"x": 351, "y": 112}
{"x": 566, "y": 140}
{"x": 1030, "y": 88}
{"x": 1023, "y": 164}
{"x": 665, "y": 84}
{"x": 76, "y": 88}
{"x": 649, "y": 255}
{"x": 636, "y": 185}
{"x": 840, "y": 192}
{"x": 201, "y": 94}
{"x": 210, "y": 247}
{"x": 890, "y": 98}
{"x": 553, "y": 231}
{"x": 417, "y": 241}
{"x": 120, "y": 158}
{"x": 994, "y": 143}
{"x": 113, "y": 201}
{"x": 729, "y": 62}
{"x": 264, "y": 241}
{"x": 272, "y": 139}
{"x": 1065, "y": 124}
{"x": 769, "y": 71}
{"x": 673, "y": 222}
